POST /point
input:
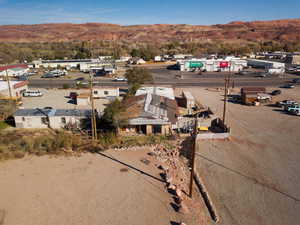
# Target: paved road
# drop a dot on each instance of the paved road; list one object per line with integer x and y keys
{"x": 164, "y": 76}
{"x": 201, "y": 82}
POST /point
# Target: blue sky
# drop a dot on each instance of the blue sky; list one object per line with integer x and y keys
{"x": 145, "y": 12}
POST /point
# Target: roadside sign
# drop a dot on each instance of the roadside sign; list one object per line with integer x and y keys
{"x": 224, "y": 64}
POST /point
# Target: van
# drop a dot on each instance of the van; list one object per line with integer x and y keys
{"x": 32, "y": 94}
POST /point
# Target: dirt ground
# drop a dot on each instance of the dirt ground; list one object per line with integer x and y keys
{"x": 115, "y": 188}
{"x": 254, "y": 177}
{"x": 57, "y": 99}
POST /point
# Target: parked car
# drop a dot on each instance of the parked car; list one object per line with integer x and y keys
{"x": 291, "y": 108}
{"x": 32, "y": 94}
{"x": 120, "y": 79}
{"x": 73, "y": 95}
{"x": 23, "y": 77}
{"x": 286, "y": 102}
{"x": 296, "y": 81}
{"x": 276, "y": 92}
{"x": 48, "y": 75}
{"x": 296, "y": 112}
{"x": 244, "y": 72}
{"x": 287, "y": 86}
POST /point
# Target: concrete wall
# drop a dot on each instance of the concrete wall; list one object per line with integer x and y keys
{"x": 16, "y": 92}
{"x": 205, "y": 136}
{"x": 56, "y": 122}
{"x": 29, "y": 122}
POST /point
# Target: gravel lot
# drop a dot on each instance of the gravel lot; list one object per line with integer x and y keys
{"x": 57, "y": 99}
{"x": 254, "y": 177}
{"x": 87, "y": 190}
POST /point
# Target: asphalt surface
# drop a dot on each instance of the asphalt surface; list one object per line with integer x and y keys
{"x": 163, "y": 76}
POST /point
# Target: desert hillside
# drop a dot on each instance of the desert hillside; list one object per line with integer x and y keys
{"x": 280, "y": 30}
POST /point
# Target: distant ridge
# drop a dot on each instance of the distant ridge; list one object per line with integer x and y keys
{"x": 279, "y": 30}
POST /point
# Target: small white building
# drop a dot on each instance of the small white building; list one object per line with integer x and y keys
{"x": 83, "y": 99}
{"x": 158, "y": 58}
{"x": 50, "y": 118}
{"x": 106, "y": 92}
{"x": 189, "y": 100}
{"x": 17, "y": 88}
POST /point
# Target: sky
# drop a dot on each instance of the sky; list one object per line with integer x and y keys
{"x": 131, "y": 12}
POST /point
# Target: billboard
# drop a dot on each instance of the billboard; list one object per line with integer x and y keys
{"x": 224, "y": 64}
{"x": 195, "y": 64}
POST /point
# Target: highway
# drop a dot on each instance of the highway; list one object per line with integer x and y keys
{"x": 163, "y": 76}
{"x": 200, "y": 82}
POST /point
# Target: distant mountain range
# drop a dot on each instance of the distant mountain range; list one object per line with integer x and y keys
{"x": 278, "y": 30}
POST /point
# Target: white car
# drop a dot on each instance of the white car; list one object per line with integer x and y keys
{"x": 32, "y": 94}
{"x": 295, "y": 112}
{"x": 120, "y": 79}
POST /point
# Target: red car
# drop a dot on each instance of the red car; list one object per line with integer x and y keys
{"x": 73, "y": 95}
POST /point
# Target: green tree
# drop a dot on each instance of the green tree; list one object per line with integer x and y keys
{"x": 113, "y": 117}
{"x": 138, "y": 76}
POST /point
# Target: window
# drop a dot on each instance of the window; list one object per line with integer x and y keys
{"x": 95, "y": 92}
{"x": 106, "y": 92}
{"x": 63, "y": 120}
{"x": 23, "y": 119}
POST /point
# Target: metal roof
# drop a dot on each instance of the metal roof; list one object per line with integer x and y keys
{"x": 160, "y": 91}
{"x": 35, "y": 112}
{"x": 53, "y": 112}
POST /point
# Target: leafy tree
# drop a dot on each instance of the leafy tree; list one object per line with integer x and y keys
{"x": 138, "y": 76}
{"x": 113, "y": 117}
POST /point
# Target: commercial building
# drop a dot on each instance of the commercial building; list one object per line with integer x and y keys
{"x": 293, "y": 59}
{"x": 264, "y": 64}
{"x": 14, "y": 70}
{"x": 212, "y": 65}
{"x": 68, "y": 63}
{"x": 17, "y": 88}
{"x": 50, "y": 118}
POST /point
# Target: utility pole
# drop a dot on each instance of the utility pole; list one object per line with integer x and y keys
{"x": 8, "y": 83}
{"x": 93, "y": 116}
{"x": 227, "y": 83}
{"x": 193, "y": 156}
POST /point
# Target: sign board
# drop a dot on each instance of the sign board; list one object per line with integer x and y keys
{"x": 195, "y": 64}
{"x": 224, "y": 64}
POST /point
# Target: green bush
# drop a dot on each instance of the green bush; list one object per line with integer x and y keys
{"x": 66, "y": 86}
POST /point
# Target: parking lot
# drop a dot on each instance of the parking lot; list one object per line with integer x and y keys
{"x": 59, "y": 99}
{"x": 253, "y": 178}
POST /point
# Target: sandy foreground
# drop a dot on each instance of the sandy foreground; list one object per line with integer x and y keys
{"x": 254, "y": 177}
{"x": 90, "y": 189}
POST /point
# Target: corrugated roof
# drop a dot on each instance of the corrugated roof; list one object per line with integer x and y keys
{"x": 35, "y": 112}
{"x": 53, "y": 112}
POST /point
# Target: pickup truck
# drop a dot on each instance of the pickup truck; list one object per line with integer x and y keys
{"x": 291, "y": 108}
{"x": 286, "y": 102}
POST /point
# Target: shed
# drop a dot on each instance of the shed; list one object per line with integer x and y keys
{"x": 50, "y": 118}
{"x": 83, "y": 99}
{"x": 189, "y": 99}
